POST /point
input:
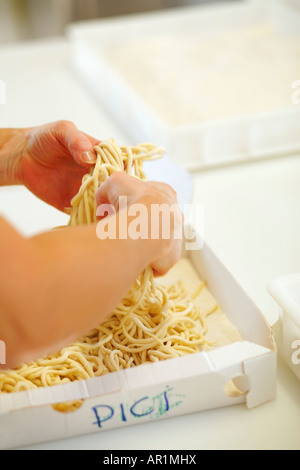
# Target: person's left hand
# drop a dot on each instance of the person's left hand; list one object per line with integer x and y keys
{"x": 52, "y": 160}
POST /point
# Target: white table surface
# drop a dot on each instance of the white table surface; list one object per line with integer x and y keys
{"x": 251, "y": 221}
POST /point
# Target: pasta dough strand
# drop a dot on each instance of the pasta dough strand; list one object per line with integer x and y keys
{"x": 152, "y": 323}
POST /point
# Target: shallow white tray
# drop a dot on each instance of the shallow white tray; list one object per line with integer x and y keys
{"x": 212, "y": 84}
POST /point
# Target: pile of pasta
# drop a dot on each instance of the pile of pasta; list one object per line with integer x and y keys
{"x": 152, "y": 323}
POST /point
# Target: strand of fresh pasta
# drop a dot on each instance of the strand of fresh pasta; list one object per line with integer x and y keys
{"x": 152, "y": 323}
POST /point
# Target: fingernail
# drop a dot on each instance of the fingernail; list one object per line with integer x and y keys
{"x": 88, "y": 156}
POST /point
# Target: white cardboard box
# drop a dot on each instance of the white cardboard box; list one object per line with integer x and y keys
{"x": 160, "y": 390}
{"x": 258, "y": 118}
{"x": 286, "y": 291}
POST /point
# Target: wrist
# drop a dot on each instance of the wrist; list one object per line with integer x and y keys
{"x": 12, "y": 145}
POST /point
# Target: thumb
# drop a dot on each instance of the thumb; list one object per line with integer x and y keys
{"x": 82, "y": 150}
{"x": 79, "y": 144}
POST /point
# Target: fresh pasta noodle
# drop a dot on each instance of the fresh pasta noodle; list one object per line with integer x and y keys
{"x": 152, "y": 323}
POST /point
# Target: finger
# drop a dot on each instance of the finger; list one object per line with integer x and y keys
{"x": 165, "y": 189}
{"x": 92, "y": 139}
{"x": 89, "y": 156}
{"x": 105, "y": 210}
{"x": 110, "y": 190}
{"x": 80, "y": 145}
{"x": 117, "y": 185}
{"x": 163, "y": 265}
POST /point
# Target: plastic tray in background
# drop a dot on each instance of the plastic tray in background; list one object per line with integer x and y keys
{"x": 212, "y": 84}
{"x": 286, "y": 291}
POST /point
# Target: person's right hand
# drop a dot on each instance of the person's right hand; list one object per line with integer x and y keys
{"x": 165, "y": 249}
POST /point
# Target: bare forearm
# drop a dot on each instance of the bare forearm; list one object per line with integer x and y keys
{"x": 65, "y": 282}
{"x": 87, "y": 276}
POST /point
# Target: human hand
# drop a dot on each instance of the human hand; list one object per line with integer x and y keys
{"x": 50, "y": 160}
{"x": 164, "y": 249}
